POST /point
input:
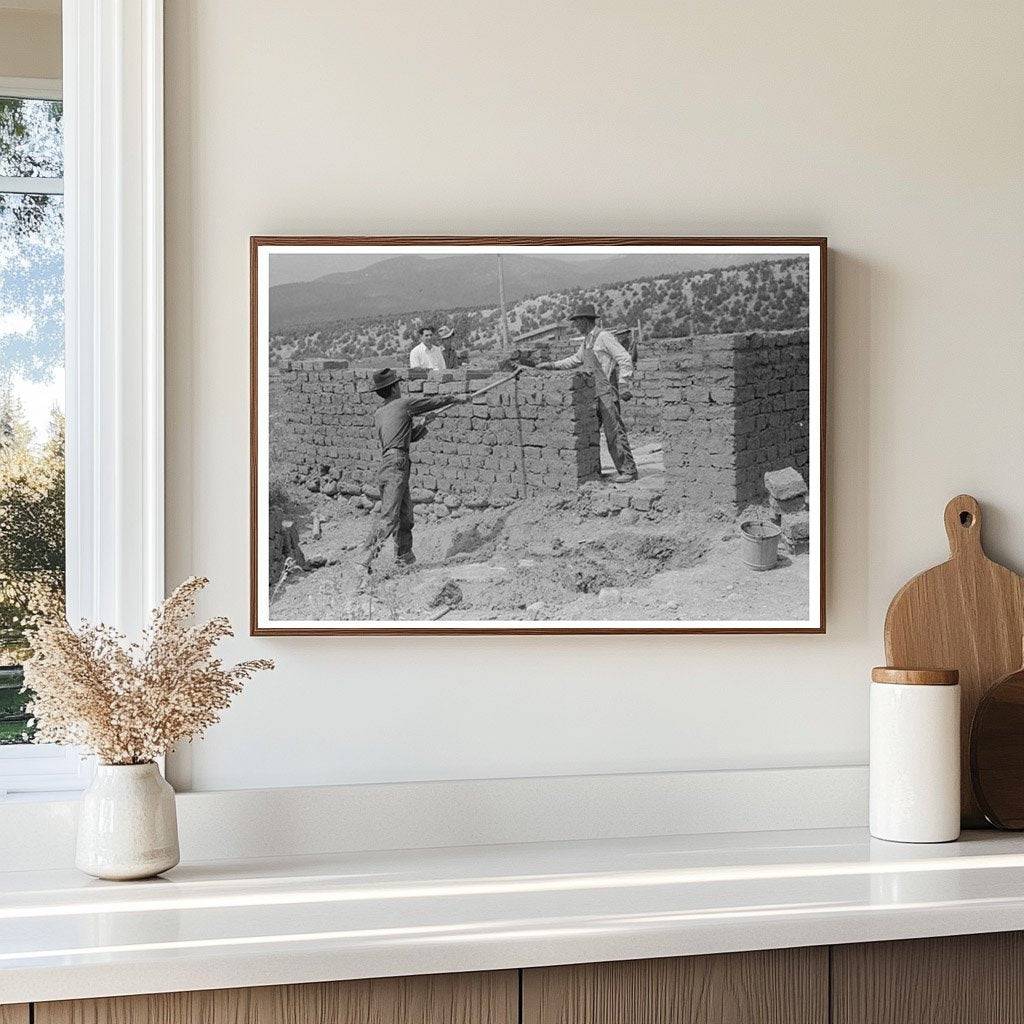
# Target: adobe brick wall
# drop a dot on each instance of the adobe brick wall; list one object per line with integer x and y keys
{"x": 642, "y": 415}
{"x": 729, "y": 408}
{"x": 322, "y": 433}
{"x": 734, "y": 407}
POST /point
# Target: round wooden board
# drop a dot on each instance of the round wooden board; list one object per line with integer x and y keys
{"x": 997, "y": 752}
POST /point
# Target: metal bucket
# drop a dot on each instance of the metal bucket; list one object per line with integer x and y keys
{"x": 760, "y": 545}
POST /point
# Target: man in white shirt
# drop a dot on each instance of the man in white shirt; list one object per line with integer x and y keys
{"x": 612, "y": 369}
{"x": 427, "y": 355}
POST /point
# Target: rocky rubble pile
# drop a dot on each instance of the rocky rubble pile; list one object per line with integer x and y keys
{"x": 787, "y": 505}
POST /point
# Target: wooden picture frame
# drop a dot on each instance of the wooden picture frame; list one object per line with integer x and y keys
{"x": 780, "y": 249}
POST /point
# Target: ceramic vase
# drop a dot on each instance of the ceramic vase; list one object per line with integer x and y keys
{"x": 127, "y": 825}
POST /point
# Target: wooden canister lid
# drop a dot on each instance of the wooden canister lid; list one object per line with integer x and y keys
{"x": 916, "y": 676}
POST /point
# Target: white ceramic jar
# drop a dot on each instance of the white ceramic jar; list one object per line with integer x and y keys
{"x": 915, "y": 755}
{"x": 127, "y": 824}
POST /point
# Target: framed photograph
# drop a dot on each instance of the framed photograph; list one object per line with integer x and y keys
{"x": 537, "y": 435}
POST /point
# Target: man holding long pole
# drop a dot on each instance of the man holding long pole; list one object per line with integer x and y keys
{"x": 612, "y": 370}
{"x": 397, "y": 431}
{"x": 394, "y": 423}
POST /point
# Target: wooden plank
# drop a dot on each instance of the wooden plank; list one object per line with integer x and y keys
{"x": 14, "y": 1013}
{"x": 779, "y": 986}
{"x": 479, "y": 998}
{"x": 963, "y": 979}
{"x": 965, "y": 614}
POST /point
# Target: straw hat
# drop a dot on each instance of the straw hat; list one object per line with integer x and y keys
{"x": 384, "y": 378}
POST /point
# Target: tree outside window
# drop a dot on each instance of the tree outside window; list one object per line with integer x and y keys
{"x": 31, "y": 387}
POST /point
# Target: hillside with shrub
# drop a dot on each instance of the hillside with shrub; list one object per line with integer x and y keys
{"x": 770, "y": 294}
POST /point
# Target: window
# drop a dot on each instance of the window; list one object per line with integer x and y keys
{"x": 32, "y": 549}
{"x": 108, "y": 206}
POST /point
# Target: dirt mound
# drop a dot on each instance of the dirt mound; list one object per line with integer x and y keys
{"x": 588, "y": 575}
{"x": 450, "y": 594}
{"x": 624, "y": 559}
{"x": 476, "y": 535}
{"x": 546, "y": 558}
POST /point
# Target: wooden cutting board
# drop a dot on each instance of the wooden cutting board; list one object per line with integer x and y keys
{"x": 967, "y": 614}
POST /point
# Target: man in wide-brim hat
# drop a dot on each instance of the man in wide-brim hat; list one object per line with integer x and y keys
{"x": 447, "y": 338}
{"x": 612, "y": 369}
{"x": 394, "y": 423}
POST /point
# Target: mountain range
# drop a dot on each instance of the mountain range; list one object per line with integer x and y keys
{"x": 407, "y": 283}
{"x": 760, "y": 295}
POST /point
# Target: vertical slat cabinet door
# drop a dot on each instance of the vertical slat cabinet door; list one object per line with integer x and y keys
{"x": 14, "y": 1013}
{"x": 481, "y": 998}
{"x": 960, "y": 979}
{"x": 779, "y": 986}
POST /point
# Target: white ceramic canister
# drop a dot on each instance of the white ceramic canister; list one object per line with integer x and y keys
{"x": 127, "y": 825}
{"x": 915, "y": 755}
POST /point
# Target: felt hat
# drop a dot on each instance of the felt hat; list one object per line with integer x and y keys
{"x": 384, "y": 378}
{"x": 587, "y": 311}
{"x": 445, "y": 332}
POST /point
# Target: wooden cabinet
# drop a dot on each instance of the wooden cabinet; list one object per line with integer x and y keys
{"x": 963, "y": 979}
{"x": 491, "y": 998}
{"x": 777, "y": 986}
{"x": 971, "y": 979}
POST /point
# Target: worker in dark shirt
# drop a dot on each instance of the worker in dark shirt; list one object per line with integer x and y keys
{"x": 447, "y": 338}
{"x": 394, "y": 423}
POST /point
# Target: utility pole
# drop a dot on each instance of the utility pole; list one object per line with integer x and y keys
{"x": 505, "y": 345}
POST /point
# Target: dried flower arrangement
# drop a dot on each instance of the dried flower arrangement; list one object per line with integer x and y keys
{"x": 129, "y": 703}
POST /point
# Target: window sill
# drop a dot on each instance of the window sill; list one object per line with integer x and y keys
{"x": 43, "y": 771}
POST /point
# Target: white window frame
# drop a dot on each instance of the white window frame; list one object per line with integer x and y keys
{"x": 43, "y": 767}
{"x": 114, "y": 325}
{"x": 31, "y": 89}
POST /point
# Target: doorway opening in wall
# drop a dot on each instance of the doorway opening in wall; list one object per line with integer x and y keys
{"x": 32, "y": 484}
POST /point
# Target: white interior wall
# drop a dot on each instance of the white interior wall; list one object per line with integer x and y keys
{"x": 895, "y": 129}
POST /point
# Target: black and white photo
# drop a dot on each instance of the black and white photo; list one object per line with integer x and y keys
{"x": 557, "y": 435}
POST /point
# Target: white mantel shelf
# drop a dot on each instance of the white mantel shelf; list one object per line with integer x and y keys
{"x": 264, "y": 922}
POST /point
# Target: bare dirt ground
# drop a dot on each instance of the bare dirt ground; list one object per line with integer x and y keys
{"x": 544, "y": 559}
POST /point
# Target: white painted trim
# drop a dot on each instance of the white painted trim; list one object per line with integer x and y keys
{"x": 242, "y": 824}
{"x": 43, "y": 770}
{"x": 113, "y": 85}
{"x": 114, "y": 316}
{"x": 32, "y": 186}
{"x": 31, "y": 88}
